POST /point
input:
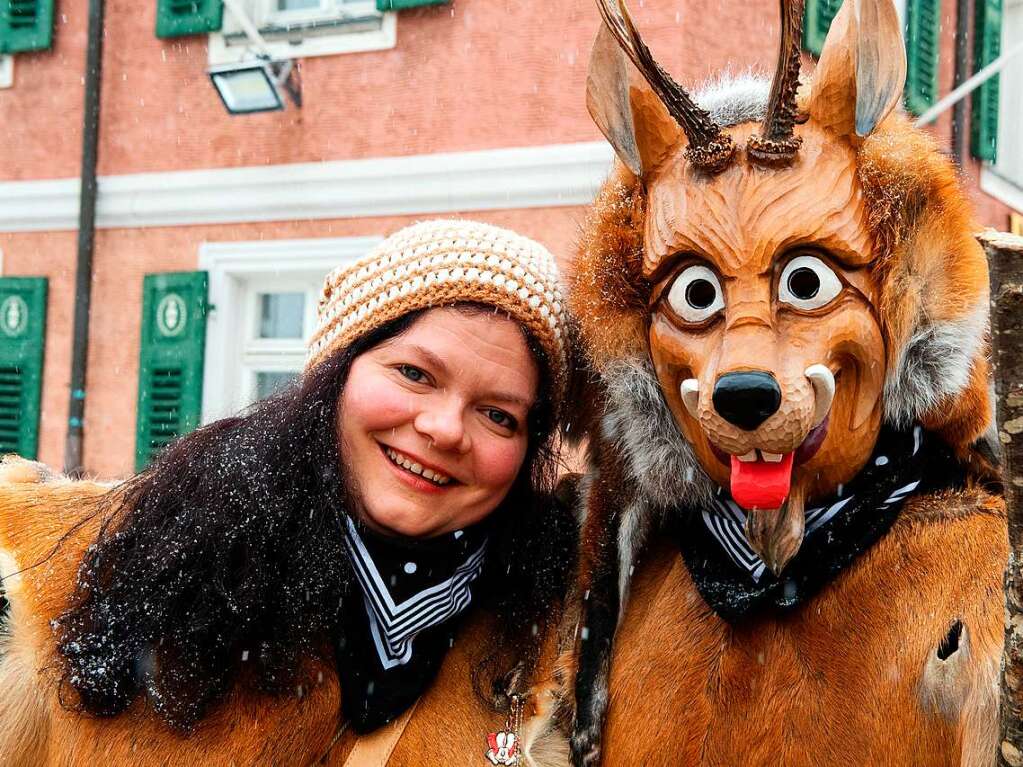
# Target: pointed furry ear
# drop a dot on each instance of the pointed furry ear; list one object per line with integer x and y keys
{"x": 625, "y": 108}
{"x": 862, "y": 68}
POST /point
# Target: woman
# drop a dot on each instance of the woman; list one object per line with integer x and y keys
{"x": 321, "y": 551}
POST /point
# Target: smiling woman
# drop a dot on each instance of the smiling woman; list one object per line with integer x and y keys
{"x": 325, "y": 547}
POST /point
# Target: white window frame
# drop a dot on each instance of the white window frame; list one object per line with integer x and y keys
{"x": 6, "y": 71}
{"x": 238, "y": 272}
{"x": 230, "y": 45}
{"x": 1003, "y": 180}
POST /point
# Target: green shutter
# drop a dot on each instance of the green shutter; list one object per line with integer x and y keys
{"x": 176, "y": 18}
{"x": 171, "y": 360}
{"x": 816, "y": 23}
{"x": 401, "y": 5}
{"x": 22, "y": 335}
{"x": 987, "y": 45}
{"x": 923, "y": 38}
{"x": 25, "y": 25}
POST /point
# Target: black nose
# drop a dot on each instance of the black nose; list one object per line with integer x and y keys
{"x": 746, "y": 399}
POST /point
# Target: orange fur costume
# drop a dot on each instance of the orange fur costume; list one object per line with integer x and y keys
{"x": 895, "y": 660}
{"x": 36, "y": 511}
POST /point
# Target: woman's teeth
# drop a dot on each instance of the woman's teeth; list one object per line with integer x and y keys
{"x": 407, "y": 463}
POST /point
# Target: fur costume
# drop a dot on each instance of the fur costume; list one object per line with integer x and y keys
{"x": 895, "y": 660}
{"x": 38, "y": 565}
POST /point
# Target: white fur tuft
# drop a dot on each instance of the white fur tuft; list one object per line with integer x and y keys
{"x": 934, "y": 364}
{"x": 658, "y": 457}
{"x": 731, "y": 99}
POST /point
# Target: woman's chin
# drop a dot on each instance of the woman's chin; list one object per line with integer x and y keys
{"x": 419, "y": 523}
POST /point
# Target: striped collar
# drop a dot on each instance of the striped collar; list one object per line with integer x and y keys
{"x": 404, "y": 599}
{"x": 735, "y": 582}
{"x": 727, "y": 523}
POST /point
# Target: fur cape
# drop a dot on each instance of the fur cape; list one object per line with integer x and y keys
{"x": 42, "y": 538}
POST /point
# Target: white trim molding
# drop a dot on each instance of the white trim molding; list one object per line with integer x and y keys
{"x": 1001, "y": 188}
{"x": 341, "y": 41}
{"x": 234, "y": 267}
{"x": 553, "y": 175}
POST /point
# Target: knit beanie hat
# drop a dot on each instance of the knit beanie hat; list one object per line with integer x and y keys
{"x": 439, "y": 263}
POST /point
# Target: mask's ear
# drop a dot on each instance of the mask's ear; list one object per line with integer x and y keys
{"x": 862, "y": 68}
{"x": 625, "y": 108}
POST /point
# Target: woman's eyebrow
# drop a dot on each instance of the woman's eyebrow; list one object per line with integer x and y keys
{"x": 434, "y": 361}
{"x": 511, "y": 399}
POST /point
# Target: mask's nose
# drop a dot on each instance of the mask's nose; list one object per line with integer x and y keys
{"x": 746, "y": 399}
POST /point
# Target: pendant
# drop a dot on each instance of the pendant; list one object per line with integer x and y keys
{"x": 504, "y": 744}
{"x": 504, "y": 748}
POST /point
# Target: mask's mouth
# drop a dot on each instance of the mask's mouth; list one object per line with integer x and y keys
{"x": 761, "y": 480}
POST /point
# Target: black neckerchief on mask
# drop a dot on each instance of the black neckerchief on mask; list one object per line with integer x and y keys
{"x": 734, "y": 581}
{"x": 410, "y": 594}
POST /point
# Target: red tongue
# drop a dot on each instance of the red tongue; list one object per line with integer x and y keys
{"x": 760, "y": 484}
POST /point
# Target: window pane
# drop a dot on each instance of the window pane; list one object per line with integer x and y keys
{"x": 297, "y": 5}
{"x": 270, "y": 381}
{"x": 280, "y": 315}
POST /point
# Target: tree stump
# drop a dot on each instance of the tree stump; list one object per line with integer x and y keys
{"x": 1005, "y": 256}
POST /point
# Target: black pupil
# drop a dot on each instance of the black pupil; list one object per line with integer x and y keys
{"x": 804, "y": 283}
{"x": 700, "y": 294}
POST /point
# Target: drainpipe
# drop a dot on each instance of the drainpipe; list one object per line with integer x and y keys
{"x": 86, "y": 240}
{"x": 962, "y": 62}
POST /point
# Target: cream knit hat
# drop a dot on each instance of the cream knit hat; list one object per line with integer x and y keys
{"x": 439, "y": 263}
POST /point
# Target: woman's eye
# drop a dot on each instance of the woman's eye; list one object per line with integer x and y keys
{"x": 412, "y": 373}
{"x": 808, "y": 283}
{"x": 696, "y": 294}
{"x": 501, "y": 418}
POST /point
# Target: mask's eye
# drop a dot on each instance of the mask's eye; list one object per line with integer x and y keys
{"x": 696, "y": 294}
{"x": 808, "y": 283}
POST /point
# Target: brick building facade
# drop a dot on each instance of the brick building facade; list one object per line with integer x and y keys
{"x": 473, "y": 108}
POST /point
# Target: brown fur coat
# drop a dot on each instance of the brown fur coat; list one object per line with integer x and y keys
{"x": 839, "y": 681}
{"x": 449, "y": 726}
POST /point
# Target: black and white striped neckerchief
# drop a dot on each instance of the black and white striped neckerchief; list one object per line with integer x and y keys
{"x": 734, "y": 581}
{"x": 404, "y": 597}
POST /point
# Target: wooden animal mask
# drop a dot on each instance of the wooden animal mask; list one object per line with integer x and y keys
{"x": 796, "y": 268}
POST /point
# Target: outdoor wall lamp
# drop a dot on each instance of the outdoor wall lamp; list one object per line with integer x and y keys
{"x": 256, "y": 85}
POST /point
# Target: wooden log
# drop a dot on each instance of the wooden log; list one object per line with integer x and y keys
{"x": 1005, "y": 256}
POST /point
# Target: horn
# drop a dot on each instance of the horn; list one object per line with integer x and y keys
{"x": 776, "y": 144}
{"x": 709, "y": 149}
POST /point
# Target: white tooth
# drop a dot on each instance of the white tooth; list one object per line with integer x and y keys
{"x": 771, "y": 457}
{"x": 691, "y": 396}
{"x": 428, "y": 474}
{"x": 749, "y": 457}
{"x": 416, "y": 468}
{"x": 405, "y": 463}
{"x": 823, "y": 383}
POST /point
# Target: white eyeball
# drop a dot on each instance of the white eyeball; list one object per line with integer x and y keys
{"x": 695, "y": 294}
{"x": 808, "y": 283}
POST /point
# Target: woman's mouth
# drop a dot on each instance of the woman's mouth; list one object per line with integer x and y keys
{"x": 411, "y": 466}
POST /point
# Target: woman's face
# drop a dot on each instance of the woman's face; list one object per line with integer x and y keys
{"x": 433, "y": 422}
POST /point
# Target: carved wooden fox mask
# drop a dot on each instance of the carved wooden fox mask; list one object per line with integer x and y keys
{"x": 796, "y": 268}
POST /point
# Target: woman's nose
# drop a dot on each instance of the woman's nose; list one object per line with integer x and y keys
{"x": 444, "y": 427}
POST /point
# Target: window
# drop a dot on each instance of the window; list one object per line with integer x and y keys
{"x": 1009, "y": 162}
{"x": 263, "y": 297}
{"x": 302, "y": 28}
{"x": 278, "y": 316}
{"x": 1004, "y": 177}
